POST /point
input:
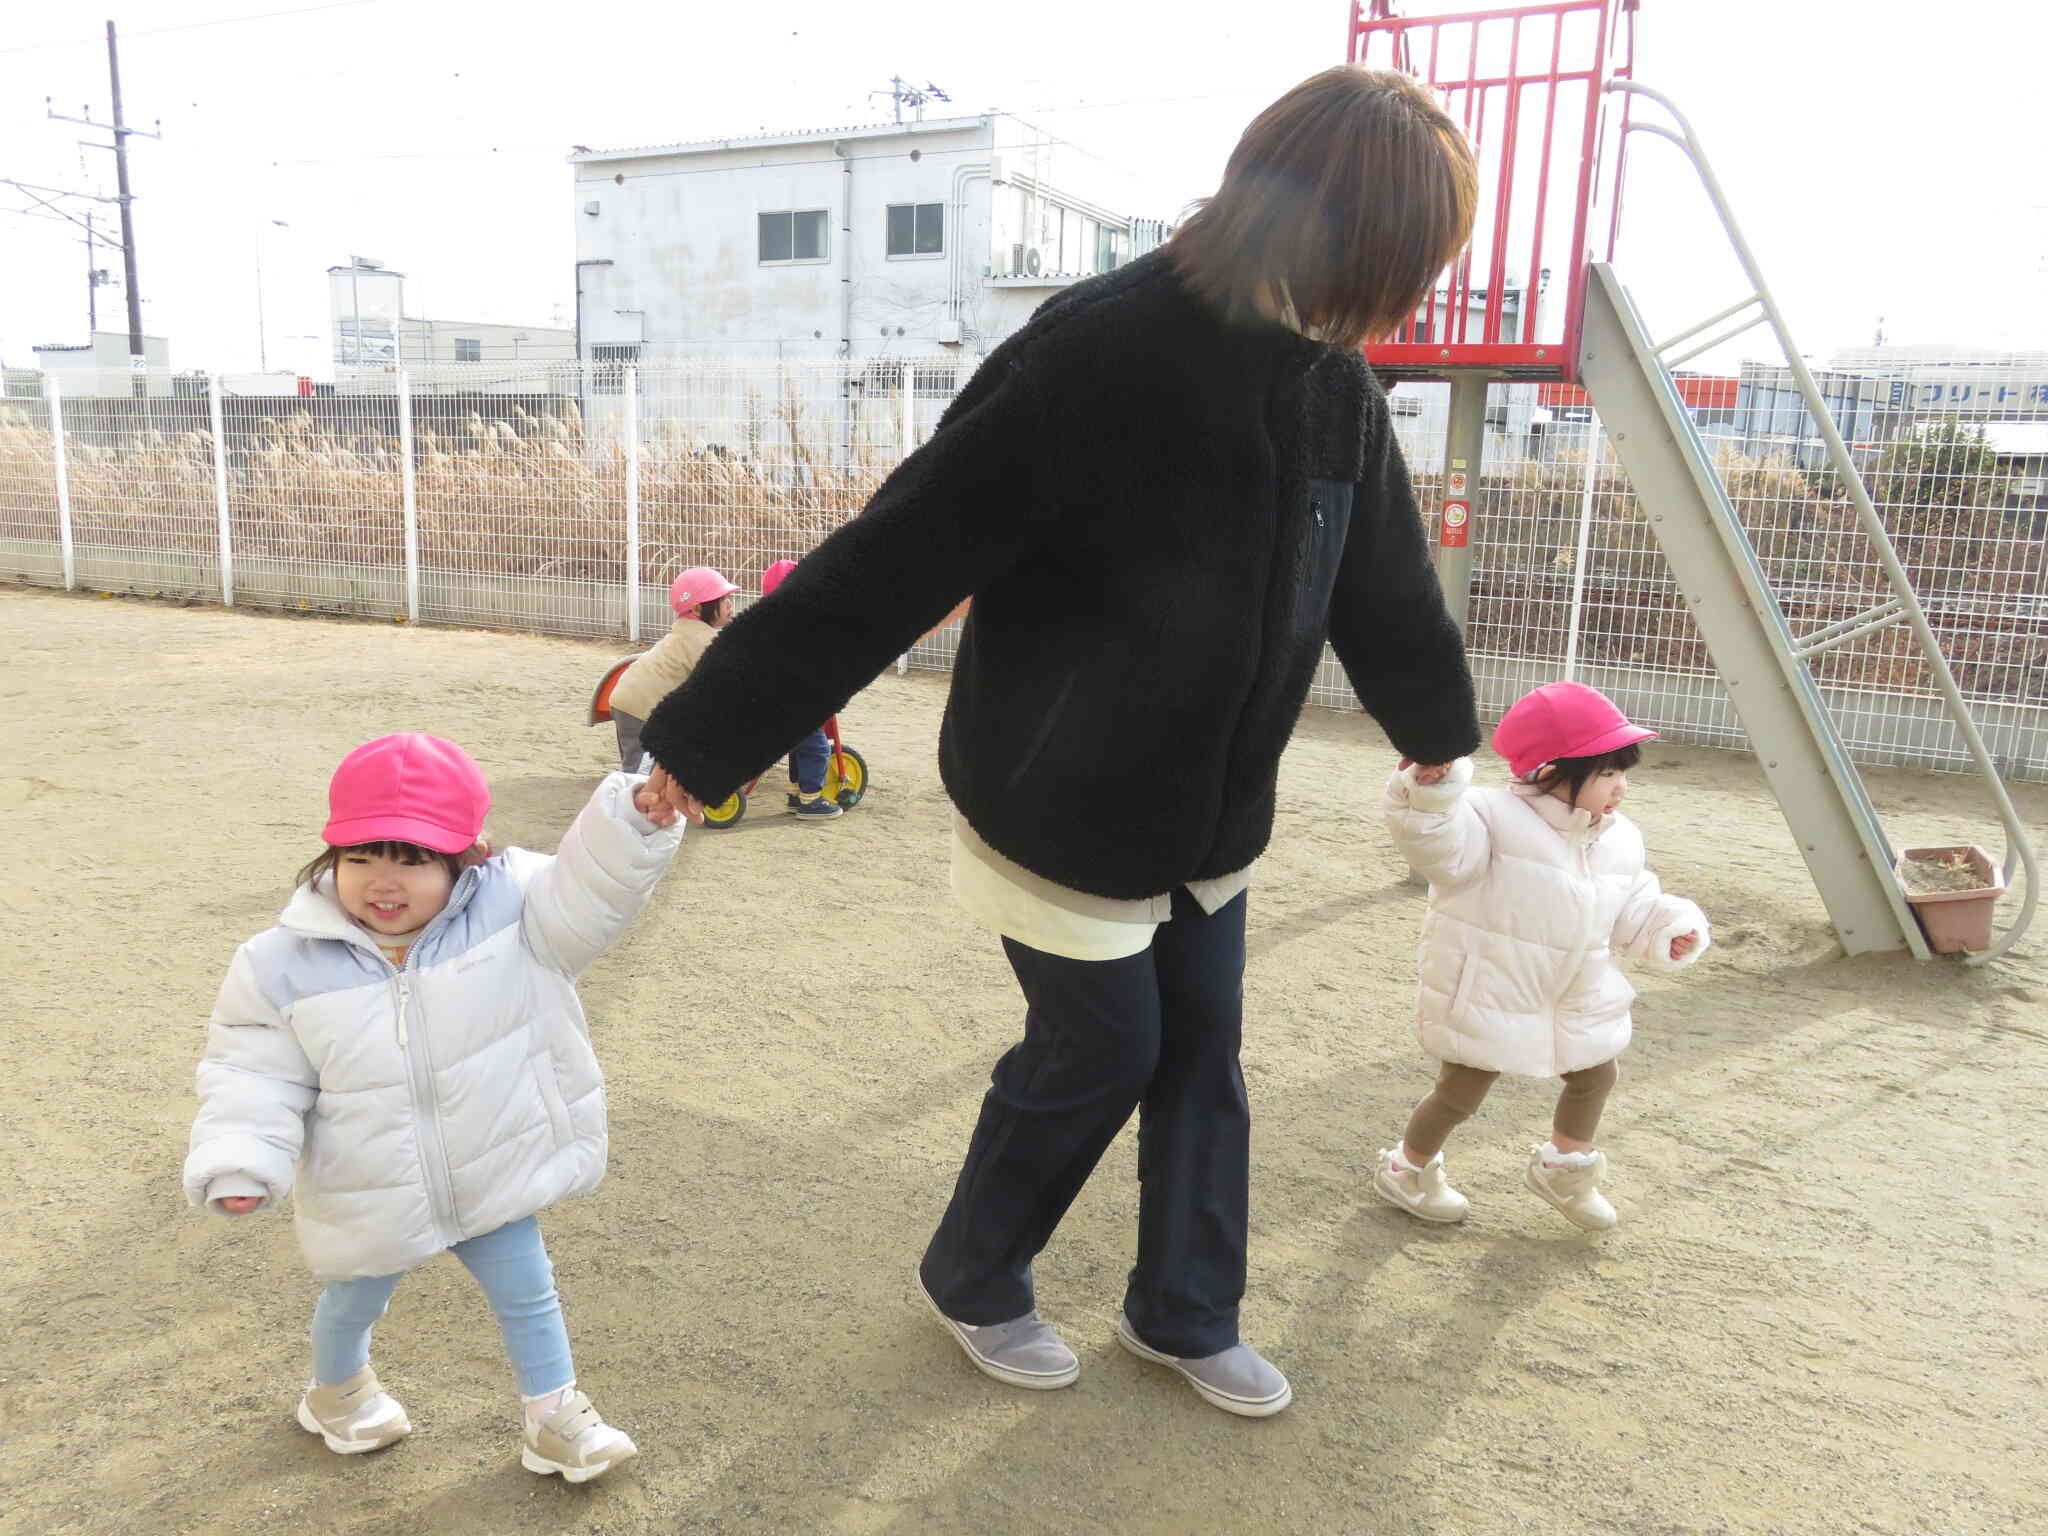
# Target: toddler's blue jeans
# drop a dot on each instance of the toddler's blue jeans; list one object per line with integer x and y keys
{"x": 807, "y": 761}
{"x": 511, "y": 1264}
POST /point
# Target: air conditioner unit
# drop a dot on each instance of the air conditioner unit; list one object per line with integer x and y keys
{"x": 1033, "y": 262}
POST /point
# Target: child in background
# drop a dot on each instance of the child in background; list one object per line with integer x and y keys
{"x": 407, "y": 1044}
{"x": 808, "y": 757}
{"x": 1533, "y": 889}
{"x": 698, "y": 596}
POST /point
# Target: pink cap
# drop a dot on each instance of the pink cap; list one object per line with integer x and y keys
{"x": 1561, "y": 720}
{"x": 699, "y": 584}
{"x": 407, "y": 789}
{"x": 772, "y": 577}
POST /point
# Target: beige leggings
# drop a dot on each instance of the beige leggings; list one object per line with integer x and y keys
{"x": 1460, "y": 1090}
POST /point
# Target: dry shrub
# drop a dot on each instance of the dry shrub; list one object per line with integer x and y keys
{"x": 539, "y": 496}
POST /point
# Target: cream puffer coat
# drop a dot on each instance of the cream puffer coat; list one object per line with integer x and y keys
{"x": 1529, "y": 903}
{"x": 424, "y": 1105}
{"x": 656, "y": 673}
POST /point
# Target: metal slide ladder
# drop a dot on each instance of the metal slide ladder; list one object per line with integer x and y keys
{"x": 1763, "y": 663}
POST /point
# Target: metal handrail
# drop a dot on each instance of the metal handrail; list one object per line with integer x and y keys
{"x": 2017, "y": 847}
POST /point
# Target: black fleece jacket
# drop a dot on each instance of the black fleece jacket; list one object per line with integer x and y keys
{"x": 1160, "y": 516}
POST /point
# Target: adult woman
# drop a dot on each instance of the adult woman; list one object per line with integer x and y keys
{"x": 1162, "y": 494}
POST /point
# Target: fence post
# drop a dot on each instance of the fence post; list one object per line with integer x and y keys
{"x": 220, "y": 492}
{"x": 53, "y": 397}
{"x": 632, "y": 502}
{"x": 908, "y": 442}
{"x": 410, "y": 494}
{"x": 1571, "y": 625}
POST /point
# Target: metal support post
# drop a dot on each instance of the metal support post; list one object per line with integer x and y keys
{"x": 632, "y": 502}
{"x": 1464, "y": 442}
{"x": 220, "y": 491}
{"x": 1583, "y": 551}
{"x": 53, "y": 396}
{"x": 410, "y": 493}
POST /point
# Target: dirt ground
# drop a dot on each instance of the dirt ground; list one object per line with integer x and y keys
{"x": 1823, "y": 1311}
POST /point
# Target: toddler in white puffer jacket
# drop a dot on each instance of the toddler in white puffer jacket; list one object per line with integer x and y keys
{"x": 1534, "y": 889}
{"x": 405, "y": 1054}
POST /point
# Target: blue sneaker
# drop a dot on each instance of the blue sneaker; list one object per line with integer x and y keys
{"x": 817, "y": 808}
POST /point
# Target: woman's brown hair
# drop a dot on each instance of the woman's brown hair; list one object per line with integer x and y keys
{"x": 1346, "y": 197}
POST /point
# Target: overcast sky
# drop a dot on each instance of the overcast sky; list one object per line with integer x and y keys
{"x": 1886, "y": 156}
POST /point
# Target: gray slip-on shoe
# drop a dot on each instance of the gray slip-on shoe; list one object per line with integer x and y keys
{"x": 1239, "y": 1380}
{"x": 1024, "y": 1352}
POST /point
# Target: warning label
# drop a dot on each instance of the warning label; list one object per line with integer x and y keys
{"x": 1456, "y": 515}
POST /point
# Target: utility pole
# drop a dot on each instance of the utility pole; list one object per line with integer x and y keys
{"x": 126, "y": 199}
{"x": 136, "y": 361}
{"x": 92, "y": 284}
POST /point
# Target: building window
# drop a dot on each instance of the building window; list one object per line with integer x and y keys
{"x": 917, "y": 229}
{"x": 1108, "y": 248}
{"x": 468, "y": 350}
{"x": 791, "y": 237}
{"x": 609, "y": 377}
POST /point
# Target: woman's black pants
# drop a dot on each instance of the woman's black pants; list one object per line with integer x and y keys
{"x": 1157, "y": 1032}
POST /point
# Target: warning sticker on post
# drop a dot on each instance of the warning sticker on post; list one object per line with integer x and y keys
{"x": 1456, "y": 516}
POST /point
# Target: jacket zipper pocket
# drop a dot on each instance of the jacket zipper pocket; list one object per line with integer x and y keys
{"x": 551, "y": 1098}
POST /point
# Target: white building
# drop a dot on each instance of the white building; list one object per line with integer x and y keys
{"x": 102, "y": 366}
{"x": 1970, "y": 383}
{"x": 917, "y": 239}
{"x": 373, "y": 333}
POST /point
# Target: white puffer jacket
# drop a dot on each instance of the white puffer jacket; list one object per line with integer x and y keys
{"x": 435, "y": 1103}
{"x": 1529, "y": 901}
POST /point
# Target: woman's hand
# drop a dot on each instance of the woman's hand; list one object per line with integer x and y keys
{"x": 677, "y": 798}
{"x": 239, "y": 1205}
{"x": 1684, "y": 945}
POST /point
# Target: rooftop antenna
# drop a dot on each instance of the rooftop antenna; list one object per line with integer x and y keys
{"x": 901, "y": 95}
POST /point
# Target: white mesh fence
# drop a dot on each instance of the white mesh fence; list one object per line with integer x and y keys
{"x": 534, "y": 489}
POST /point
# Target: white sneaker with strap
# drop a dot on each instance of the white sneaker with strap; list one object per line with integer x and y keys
{"x": 1423, "y": 1191}
{"x": 1571, "y": 1182}
{"x": 353, "y": 1416}
{"x": 573, "y": 1440}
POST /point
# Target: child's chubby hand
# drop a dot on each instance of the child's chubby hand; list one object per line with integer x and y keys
{"x": 1684, "y": 945}
{"x": 239, "y": 1205}
{"x": 655, "y": 807}
{"x": 1426, "y": 773}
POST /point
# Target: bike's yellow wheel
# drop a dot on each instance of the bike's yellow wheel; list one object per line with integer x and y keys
{"x": 727, "y": 812}
{"x": 846, "y": 790}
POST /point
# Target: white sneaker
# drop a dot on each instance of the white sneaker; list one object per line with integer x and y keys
{"x": 575, "y": 1442}
{"x": 1424, "y": 1191}
{"x": 1570, "y": 1181}
{"x": 353, "y": 1416}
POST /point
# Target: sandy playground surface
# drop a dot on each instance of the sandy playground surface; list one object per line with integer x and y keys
{"x": 1823, "y": 1313}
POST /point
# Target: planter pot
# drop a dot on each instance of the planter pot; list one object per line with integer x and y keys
{"x": 1957, "y": 920}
